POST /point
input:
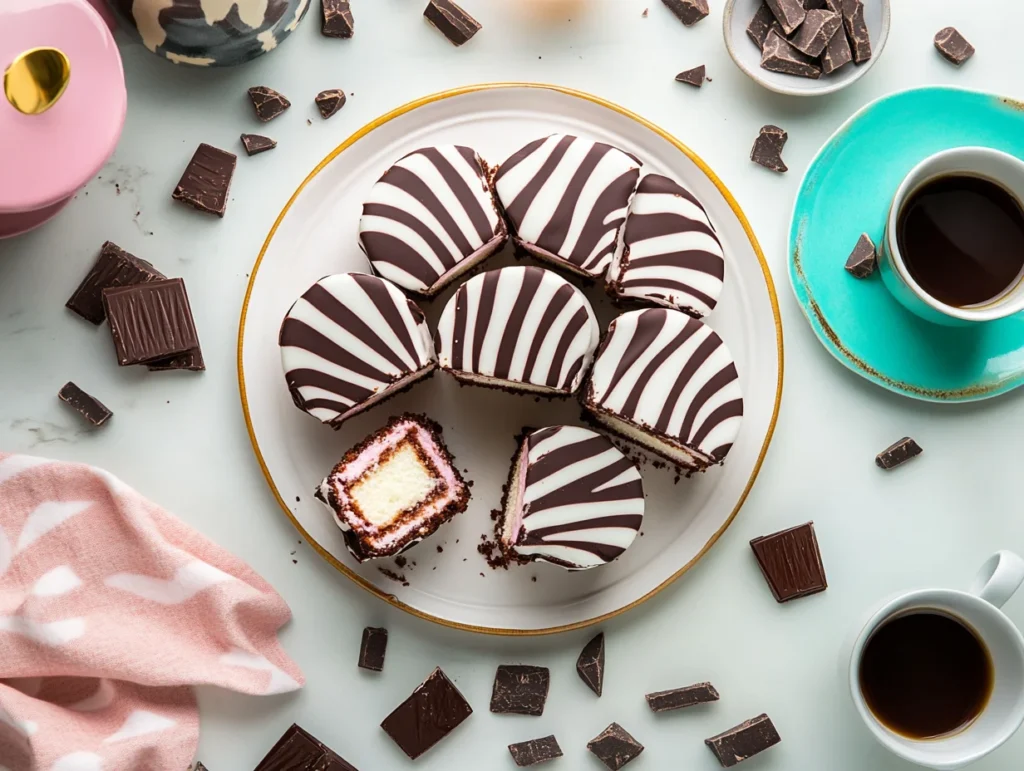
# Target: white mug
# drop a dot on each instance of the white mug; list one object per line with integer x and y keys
{"x": 978, "y": 609}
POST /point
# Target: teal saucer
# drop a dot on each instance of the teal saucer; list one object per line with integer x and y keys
{"x": 846, "y": 191}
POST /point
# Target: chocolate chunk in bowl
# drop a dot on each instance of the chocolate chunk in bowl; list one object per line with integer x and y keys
{"x": 779, "y": 55}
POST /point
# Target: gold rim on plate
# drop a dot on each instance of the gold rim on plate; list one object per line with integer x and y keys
{"x": 371, "y": 126}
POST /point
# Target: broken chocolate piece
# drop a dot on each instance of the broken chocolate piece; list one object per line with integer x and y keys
{"x": 818, "y": 28}
{"x": 694, "y": 77}
{"x": 856, "y": 30}
{"x": 199, "y": 767}
{"x": 615, "y": 747}
{"x": 191, "y": 360}
{"x": 520, "y": 689}
{"x": 267, "y": 102}
{"x": 590, "y": 664}
{"x": 299, "y": 750}
{"x": 791, "y": 562}
{"x": 898, "y": 454}
{"x": 837, "y": 53}
{"x": 433, "y": 711}
{"x": 207, "y": 180}
{"x": 114, "y": 267}
{"x": 744, "y": 741}
{"x": 372, "y": 648}
{"x": 255, "y": 144}
{"x": 150, "y": 321}
{"x": 689, "y": 12}
{"x": 762, "y": 23}
{"x": 778, "y": 55}
{"x": 453, "y": 22}
{"x": 679, "y": 698}
{"x": 767, "y": 149}
{"x": 863, "y": 259}
{"x": 535, "y": 751}
{"x": 789, "y": 13}
{"x": 337, "y": 19}
{"x": 89, "y": 407}
{"x": 330, "y": 101}
{"x": 953, "y": 46}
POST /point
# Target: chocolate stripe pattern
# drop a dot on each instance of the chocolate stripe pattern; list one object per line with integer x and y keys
{"x": 582, "y": 501}
{"x": 566, "y": 199}
{"x": 520, "y": 327}
{"x": 668, "y": 382}
{"x": 670, "y": 254}
{"x": 350, "y": 341}
{"x": 431, "y": 217}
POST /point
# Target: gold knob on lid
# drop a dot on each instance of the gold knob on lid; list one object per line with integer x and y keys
{"x": 36, "y": 79}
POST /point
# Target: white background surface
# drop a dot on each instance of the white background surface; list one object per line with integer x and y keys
{"x": 180, "y": 438}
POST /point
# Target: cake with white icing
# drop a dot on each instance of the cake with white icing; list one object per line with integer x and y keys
{"x": 521, "y": 328}
{"x": 668, "y": 383}
{"x": 350, "y": 341}
{"x": 566, "y": 198}
{"x": 430, "y": 218}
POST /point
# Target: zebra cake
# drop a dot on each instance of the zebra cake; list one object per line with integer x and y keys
{"x": 670, "y": 254}
{"x": 350, "y": 341}
{"x": 521, "y": 328}
{"x": 566, "y": 198}
{"x": 430, "y": 218}
{"x": 573, "y": 499}
{"x": 668, "y": 383}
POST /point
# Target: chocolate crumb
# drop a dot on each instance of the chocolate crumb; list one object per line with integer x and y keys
{"x": 533, "y": 578}
{"x": 397, "y": 577}
{"x": 440, "y": 549}
{"x": 400, "y": 561}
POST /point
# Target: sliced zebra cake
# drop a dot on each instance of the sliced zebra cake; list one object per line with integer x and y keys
{"x": 430, "y": 218}
{"x": 573, "y": 499}
{"x": 521, "y": 328}
{"x": 566, "y": 199}
{"x": 668, "y": 383}
{"x": 670, "y": 254}
{"x": 351, "y": 341}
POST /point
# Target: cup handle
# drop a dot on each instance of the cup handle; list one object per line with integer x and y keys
{"x": 999, "y": 577}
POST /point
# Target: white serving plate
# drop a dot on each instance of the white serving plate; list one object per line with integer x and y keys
{"x": 315, "y": 236}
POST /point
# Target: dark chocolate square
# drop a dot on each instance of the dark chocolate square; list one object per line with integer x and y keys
{"x": 89, "y": 407}
{"x": 373, "y": 647}
{"x": 520, "y": 689}
{"x": 430, "y": 713}
{"x": 680, "y": 698}
{"x": 298, "y": 750}
{"x": 114, "y": 267}
{"x": 207, "y": 180}
{"x": 151, "y": 321}
{"x": 615, "y": 747}
{"x": 535, "y": 751}
{"x": 856, "y": 30}
{"x": 744, "y": 741}
{"x": 791, "y": 562}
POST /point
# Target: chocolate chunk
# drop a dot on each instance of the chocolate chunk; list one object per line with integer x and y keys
{"x": 953, "y": 46}
{"x": 372, "y": 648}
{"x": 114, "y": 267}
{"x": 767, "y": 149}
{"x": 520, "y": 690}
{"x": 898, "y": 454}
{"x": 298, "y": 750}
{"x": 330, "y": 101}
{"x": 207, "y": 179}
{"x": 191, "y": 360}
{"x": 791, "y": 562}
{"x": 856, "y": 30}
{"x": 810, "y": 5}
{"x": 433, "y": 711}
{"x": 255, "y": 144}
{"x": 778, "y": 55}
{"x": 744, "y": 741}
{"x": 818, "y": 28}
{"x": 337, "y": 19}
{"x": 590, "y": 664}
{"x": 790, "y": 14}
{"x": 863, "y": 259}
{"x": 267, "y": 102}
{"x": 615, "y": 747}
{"x": 150, "y": 321}
{"x": 535, "y": 751}
{"x": 837, "y": 53}
{"x": 689, "y": 12}
{"x": 453, "y": 22}
{"x": 199, "y": 767}
{"x": 694, "y": 77}
{"x": 678, "y": 698}
{"x": 763, "y": 22}
{"x": 89, "y": 407}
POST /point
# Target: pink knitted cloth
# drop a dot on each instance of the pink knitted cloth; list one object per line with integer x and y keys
{"x": 110, "y": 609}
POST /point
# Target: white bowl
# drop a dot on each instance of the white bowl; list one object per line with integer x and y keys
{"x": 745, "y": 53}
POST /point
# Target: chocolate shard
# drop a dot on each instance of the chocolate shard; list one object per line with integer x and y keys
{"x": 453, "y": 22}
{"x": 778, "y": 55}
{"x": 689, "y": 12}
{"x": 791, "y": 562}
{"x": 856, "y": 30}
{"x": 535, "y": 751}
{"x": 520, "y": 689}
{"x": 694, "y": 77}
{"x": 337, "y": 19}
{"x": 114, "y": 267}
{"x": 329, "y": 102}
{"x": 430, "y": 713}
{"x": 837, "y": 53}
{"x": 199, "y": 767}
{"x": 744, "y": 741}
{"x": 898, "y": 454}
{"x": 615, "y": 747}
{"x": 767, "y": 149}
{"x": 680, "y": 698}
{"x": 789, "y": 13}
{"x": 267, "y": 102}
{"x": 255, "y": 144}
{"x": 191, "y": 360}
{"x": 207, "y": 180}
{"x": 810, "y": 5}
{"x": 863, "y": 259}
{"x": 373, "y": 647}
{"x": 953, "y": 46}
{"x": 89, "y": 407}
{"x": 299, "y": 750}
{"x": 150, "y": 321}
{"x": 590, "y": 664}
{"x": 761, "y": 24}
{"x": 818, "y": 28}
